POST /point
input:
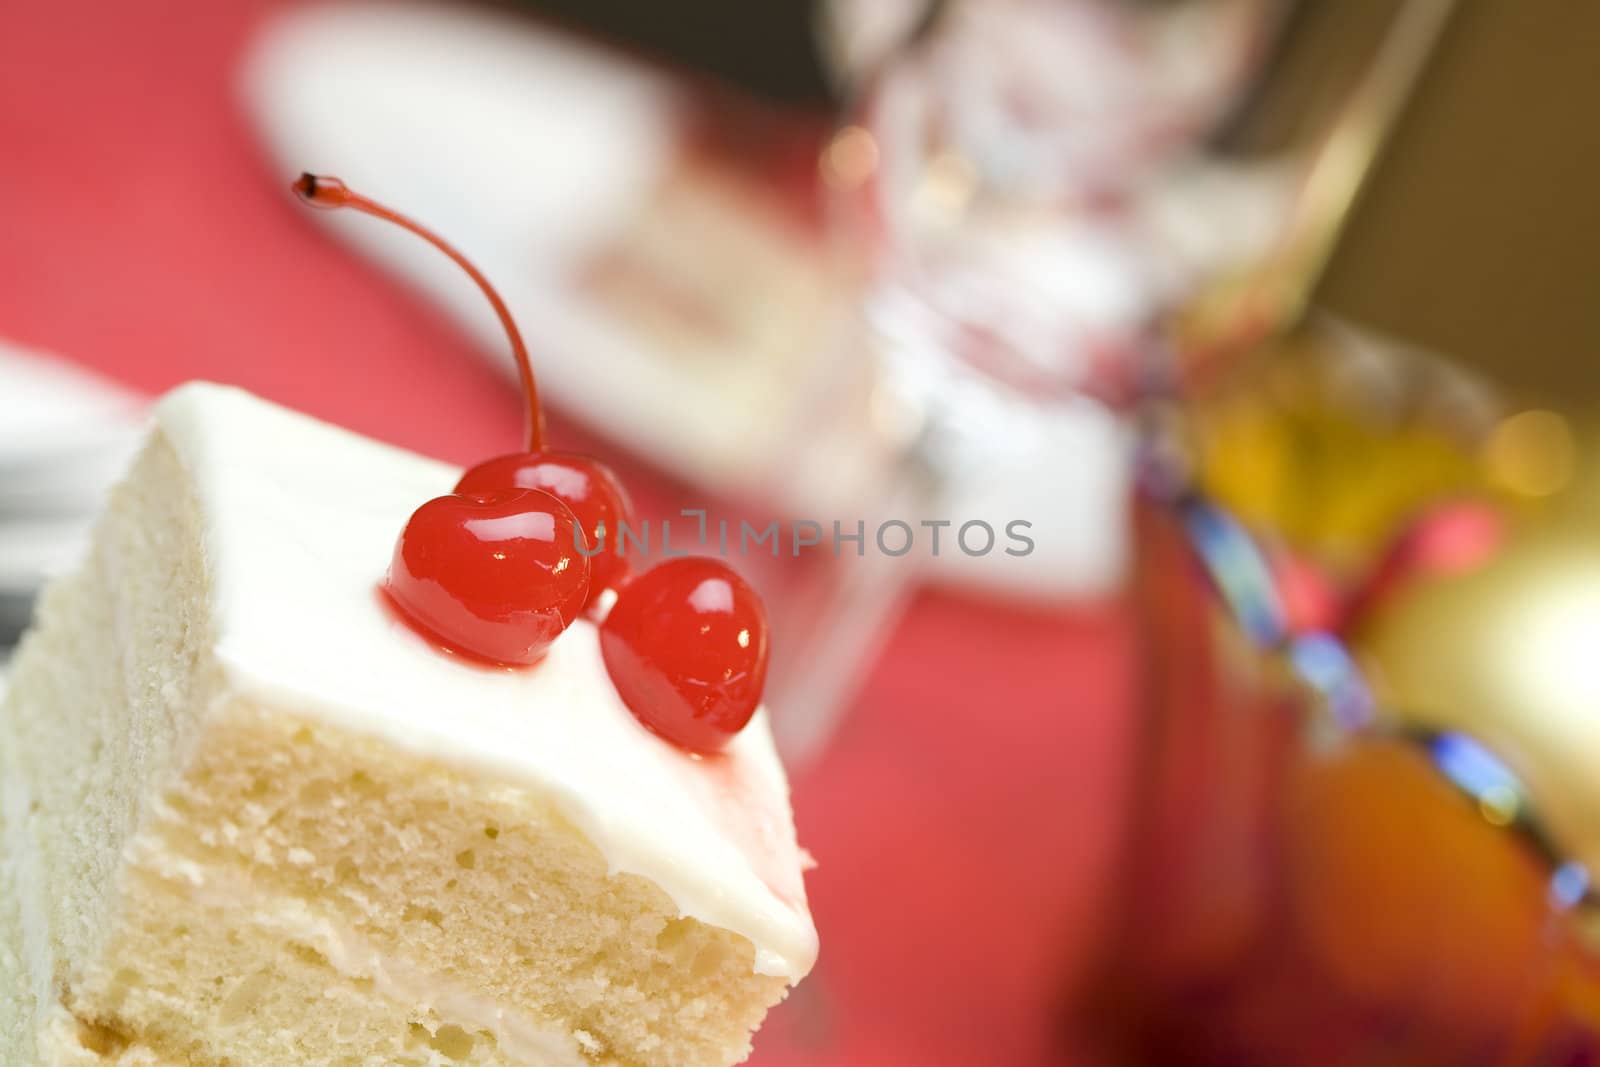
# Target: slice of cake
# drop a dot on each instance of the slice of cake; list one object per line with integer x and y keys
{"x": 254, "y": 818}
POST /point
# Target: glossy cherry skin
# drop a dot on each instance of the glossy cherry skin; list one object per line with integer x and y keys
{"x": 686, "y": 647}
{"x": 496, "y": 577}
{"x": 585, "y": 485}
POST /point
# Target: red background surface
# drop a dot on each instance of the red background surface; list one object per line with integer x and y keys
{"x": 965, "y": 818}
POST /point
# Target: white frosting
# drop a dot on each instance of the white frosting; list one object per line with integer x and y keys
{"x": 300, "y": 523}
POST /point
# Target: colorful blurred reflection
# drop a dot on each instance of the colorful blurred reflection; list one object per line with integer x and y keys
{"x": 1364, "y": 826}
{"x": 1299, "y": 894}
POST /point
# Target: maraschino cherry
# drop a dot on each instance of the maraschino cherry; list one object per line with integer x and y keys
{"x": 495, "y": 571}
{"x": 584, "y": 484}
{"x": 502, "y": 566}
{"x": 494, "y": 575}
{"x": 686, "y": 647}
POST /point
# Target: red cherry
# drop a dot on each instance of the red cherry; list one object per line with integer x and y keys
{"x": 585, "y": 485}
{"x": 496, "y": 573}
{"x": 498, "y": 576}
{"x": 686, "y": 647}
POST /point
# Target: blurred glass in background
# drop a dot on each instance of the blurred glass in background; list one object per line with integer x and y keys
{"x": 996, "y": 177}
{"x": 1366, "y": 816}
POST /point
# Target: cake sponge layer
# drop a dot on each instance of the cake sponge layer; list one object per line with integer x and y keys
{"x": 298, "y": 880}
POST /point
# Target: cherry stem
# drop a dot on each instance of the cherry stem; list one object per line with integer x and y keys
{"x": 325, "y": 192}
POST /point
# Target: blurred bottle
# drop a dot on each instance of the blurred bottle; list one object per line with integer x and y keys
{"x": 992, "y": 173}
{"x": 997, "y": 171}
{"x": 1414, "y": 885}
